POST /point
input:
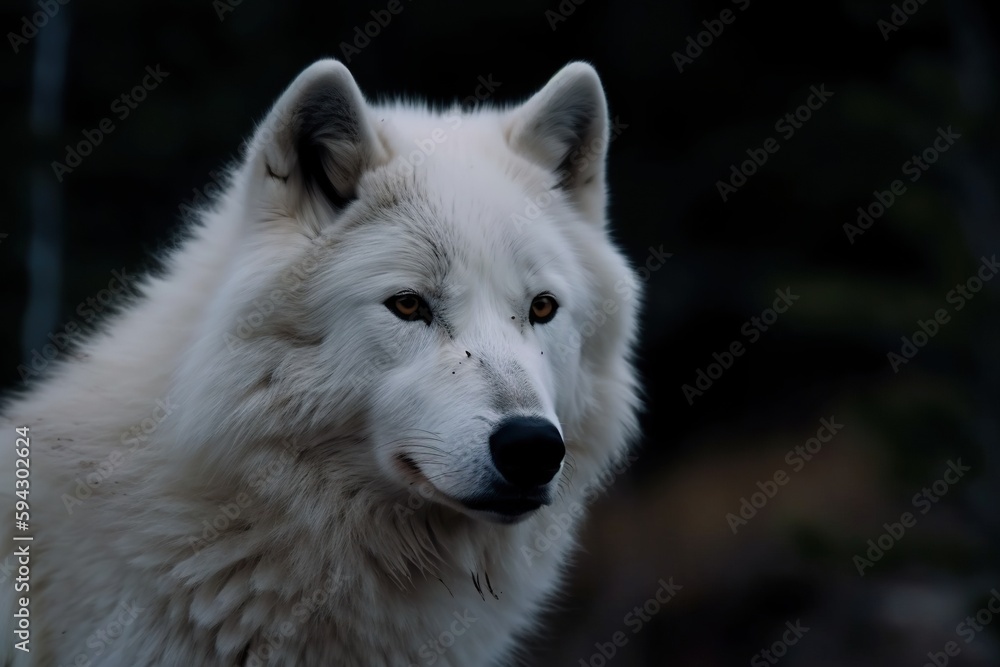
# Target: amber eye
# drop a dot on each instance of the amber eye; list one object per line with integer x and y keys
{"x": 408, "y": 306}
{"x": 543, "y": 309}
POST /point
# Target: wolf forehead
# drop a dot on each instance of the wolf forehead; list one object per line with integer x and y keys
{"x": 455, "y": 217}
{"x": 445, "y": 213}
{"x": 466, "y": 177}
{"x": 443, "y": 253}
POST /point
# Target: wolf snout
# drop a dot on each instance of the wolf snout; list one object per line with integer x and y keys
{"x": 527, "y": 451}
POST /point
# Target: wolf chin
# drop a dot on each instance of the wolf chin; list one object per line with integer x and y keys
{"x": 356, "y": 417}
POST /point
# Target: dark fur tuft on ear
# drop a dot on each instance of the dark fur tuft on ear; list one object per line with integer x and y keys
{"x": 329, "y": 144}
{"x": 320, "y": 136}
{"x": 564, "y": 127}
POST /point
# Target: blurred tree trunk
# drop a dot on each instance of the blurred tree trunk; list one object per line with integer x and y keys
{"x": 43, "y": 263}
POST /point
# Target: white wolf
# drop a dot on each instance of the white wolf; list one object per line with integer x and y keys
{"x": 355, "y": 419}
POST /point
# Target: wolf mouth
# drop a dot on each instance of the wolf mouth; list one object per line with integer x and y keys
{"x": 505, "y": 507}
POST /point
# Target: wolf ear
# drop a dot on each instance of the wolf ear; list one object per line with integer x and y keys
{"x": 564, "y": 128}
{"x": 319, "y": 135}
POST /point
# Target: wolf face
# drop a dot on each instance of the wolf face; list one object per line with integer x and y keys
{"x": 420, "y": 299}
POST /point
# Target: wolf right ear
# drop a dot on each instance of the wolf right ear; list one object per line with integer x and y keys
{"x": 564, "y": 128}
{"x": 319, "y": 135}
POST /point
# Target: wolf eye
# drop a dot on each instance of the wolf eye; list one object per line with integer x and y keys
{"x": 408, "y": 306}
{"x": 543, "y": 309}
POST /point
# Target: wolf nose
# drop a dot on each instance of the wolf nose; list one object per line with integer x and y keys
{"x": 527, "y": 451}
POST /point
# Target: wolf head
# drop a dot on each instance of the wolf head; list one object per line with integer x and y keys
{"x": 416, "y": 300}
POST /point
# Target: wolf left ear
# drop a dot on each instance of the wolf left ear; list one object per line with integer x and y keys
{"x": 319, "y": 135}
{"x": 564, "y": 128}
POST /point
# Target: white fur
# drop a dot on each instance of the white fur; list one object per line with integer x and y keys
{"x": 294, "y": 394}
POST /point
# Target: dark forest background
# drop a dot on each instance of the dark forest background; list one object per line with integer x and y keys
{"x": 827, "y": 357}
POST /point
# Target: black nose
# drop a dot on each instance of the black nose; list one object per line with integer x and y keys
{"x": 527, "y": 451}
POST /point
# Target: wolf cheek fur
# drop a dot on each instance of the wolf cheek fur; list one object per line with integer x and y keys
{"x": 389, "y": 373}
